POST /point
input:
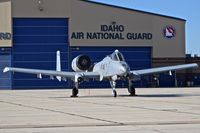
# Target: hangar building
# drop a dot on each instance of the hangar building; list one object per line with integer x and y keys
{"x": 31, "y": 31}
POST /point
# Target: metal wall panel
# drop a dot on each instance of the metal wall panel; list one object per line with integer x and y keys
{"x": 36, "y": 41}
{"x": 136, "y": 57}
{"x": 166, "y": 80}
{"x": 133, "y": 21}
{"x": 41, "y": 8}
{"x": 5, "y": 23}
{"x": 196, "y": 80}
{"x": 5, "y": 61}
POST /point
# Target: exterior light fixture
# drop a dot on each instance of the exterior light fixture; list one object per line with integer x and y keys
{"x": 40, "y": 5}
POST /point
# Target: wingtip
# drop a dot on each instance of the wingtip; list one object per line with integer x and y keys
{"x": 6, "y": 69}
{"x": 195, "y": 65}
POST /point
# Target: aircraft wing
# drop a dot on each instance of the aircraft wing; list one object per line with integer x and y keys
{"x": 52, "y": 73}
{"x": 163, "y": 69}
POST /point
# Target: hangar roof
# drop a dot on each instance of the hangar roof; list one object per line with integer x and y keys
{"x": 132, "y": 10}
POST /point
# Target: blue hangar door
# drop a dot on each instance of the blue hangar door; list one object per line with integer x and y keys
{"x": 5, "y": 61}
{"x": 35, "y": 42}
{"x": 136, "y": 57}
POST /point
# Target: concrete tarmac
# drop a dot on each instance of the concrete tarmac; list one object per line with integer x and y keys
{"x": 154, "y": 110}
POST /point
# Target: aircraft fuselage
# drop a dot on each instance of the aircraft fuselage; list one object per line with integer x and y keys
{"x": 108, "y": 67}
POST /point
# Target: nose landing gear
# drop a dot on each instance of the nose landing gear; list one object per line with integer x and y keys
{"x": 114, "y": 93}
{"x": 113, "y": 84}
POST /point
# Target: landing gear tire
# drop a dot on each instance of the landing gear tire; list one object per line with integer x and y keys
{"x": 131, "y": 90}
{"x": 74, "y": 92}
{"x": 114, "y": 93}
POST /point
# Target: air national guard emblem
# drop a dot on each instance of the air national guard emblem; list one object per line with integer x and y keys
{"x": 169, "y": 32}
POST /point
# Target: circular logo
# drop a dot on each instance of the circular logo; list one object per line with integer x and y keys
{"x": 169, "y": 32}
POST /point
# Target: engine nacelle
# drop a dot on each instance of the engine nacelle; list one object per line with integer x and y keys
{"x": 81, "y": 63}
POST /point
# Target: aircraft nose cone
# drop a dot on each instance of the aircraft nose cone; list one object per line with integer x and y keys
{"x": 122, "y": 70}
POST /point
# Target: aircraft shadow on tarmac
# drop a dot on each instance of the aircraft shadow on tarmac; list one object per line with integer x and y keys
{"x": 161, "y": 95}
{"x": 168, "y": 95}
{"x": 140, "y": 95}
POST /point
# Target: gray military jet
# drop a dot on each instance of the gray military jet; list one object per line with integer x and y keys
{"x": 112, "y": 68}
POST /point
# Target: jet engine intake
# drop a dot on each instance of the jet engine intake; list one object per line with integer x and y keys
{"x": 81, "y": 63}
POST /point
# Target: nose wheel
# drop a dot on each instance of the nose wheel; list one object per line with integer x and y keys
{"x": 114, "y": 93}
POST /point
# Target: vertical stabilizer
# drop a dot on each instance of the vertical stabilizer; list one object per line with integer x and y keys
{"x": 58, "y": 64}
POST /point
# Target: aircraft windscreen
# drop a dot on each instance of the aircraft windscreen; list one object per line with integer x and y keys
{"x": 120, "y": 56}
{"x": 117, "y": 56}
{"x": 114, "y": 57}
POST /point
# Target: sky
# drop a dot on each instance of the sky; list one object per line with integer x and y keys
{"x": 185, "y": 9}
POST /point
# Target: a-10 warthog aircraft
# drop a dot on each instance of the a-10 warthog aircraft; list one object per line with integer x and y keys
{"x": 113, "y": 67}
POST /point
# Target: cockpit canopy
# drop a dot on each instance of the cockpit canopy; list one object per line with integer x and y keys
{"x": 117, "y": 56}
